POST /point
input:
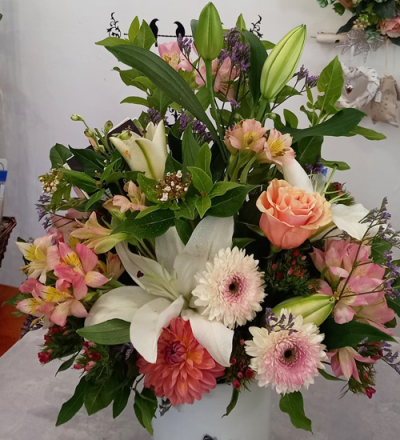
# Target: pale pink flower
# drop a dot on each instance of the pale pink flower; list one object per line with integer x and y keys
{"x": 67, "y": 223}
{"x": 184, "y": 369}
{"x": 113, "y": 267}
{"x": 172, "y": 54}
{"x": 247, "y": 135}
{"x": 278, "y": 148}
{"x": 135, "y": 201}
{"x": 286, "y": 359}
{"x": 343, "y": 362}
{"x": 231, "y": 288}
{"x": 78, "y": 269}
{"x": 391, "y": 27}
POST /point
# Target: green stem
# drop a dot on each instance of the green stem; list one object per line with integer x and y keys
{"x": 245, "y": 172}
{"x": 261, "y": 110}
{"x": 329, "y": 180}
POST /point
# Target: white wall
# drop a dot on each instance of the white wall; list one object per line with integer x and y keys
{"x": 50, "y": 69}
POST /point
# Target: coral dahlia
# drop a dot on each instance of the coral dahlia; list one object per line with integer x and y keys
{"x": 286, "y": 356}
{"x": 184, "y": 369}
{"x": 230, "y": 289}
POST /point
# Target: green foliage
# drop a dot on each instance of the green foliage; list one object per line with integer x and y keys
{"x": 339, "y": 8}
{"x": 145, "y": 407}
{"x": 134, "y": 29}
{"x": 203, "y": 159}
{"x": 229, "y": 203}
{"x": 145, "y": 37}
{"x": 341, "y": 166}
{"x": 99, "y": 394}
{"x": 92, "y": 162}
{"x": 330, "y": 83}
{"x": 290, "y": 118}
{"x": 233, "y": 401}
{"x": 308, "y": 149}
{"x": 184, "y": 229}
{"x": 111, "y": 332}
{"x": 121, "y": 399}
{"x": 378, "y": 249}
{"x": 96, "y": 197}
{"x": 59, "y": 155}
{"x": 293, "y": 405}
{"x": 201, "y": 180}
{"x": 394, "y": 304}
{"x": 81, "y": 180}
{"x": 73, "y": 405}
{"x": 387, "y": 9}
{"x": 369, "y": 134}
{"x": 327, "y": 376}
{"x": 190, "y": 149}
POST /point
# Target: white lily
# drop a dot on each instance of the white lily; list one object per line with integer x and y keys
{"x": 148, "y": 153}
{"x": 295, "y": 175}
{"x": 165, "y": 288}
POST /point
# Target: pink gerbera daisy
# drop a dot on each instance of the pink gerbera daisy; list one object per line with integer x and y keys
{"x": 184, "y": 369}
{"x": 286, "y": 356}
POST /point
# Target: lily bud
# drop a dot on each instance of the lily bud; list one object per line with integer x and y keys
{"x": 89, "y": 133}
{"x": 209, "y": 38}
{"x": 77, "y": 118}
{"x": 314, "y": 309}
{"x": 108, "y": 126}
{"x": 125, "y": 135}
{"x": 282, "y": 62}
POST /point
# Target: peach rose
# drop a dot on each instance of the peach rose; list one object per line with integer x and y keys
{"x": 291, "y": 215}
{"x": 247, "y": 135}
{"x": 391, "y": 27}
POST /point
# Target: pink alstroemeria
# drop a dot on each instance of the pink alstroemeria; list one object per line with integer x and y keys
{"x": 278, "y": 148}
{"x": 343, "y": 362}
{"x": 135, "y": 200}
{"x": 113, "y": 267}
{"x": 67, "y": 223}
{"x": 172, "y": 54}
{"x": 77, "y": 268}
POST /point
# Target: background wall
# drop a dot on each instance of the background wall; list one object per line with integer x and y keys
{"x": 50, "y": 69}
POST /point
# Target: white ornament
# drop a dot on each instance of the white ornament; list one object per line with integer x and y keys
{"x": 351, "y": 76}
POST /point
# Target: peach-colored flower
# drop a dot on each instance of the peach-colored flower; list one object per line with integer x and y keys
{"x": 247, "y": 135}
{"x": 291, "y": 215}
{"x": 171, "y": 53}
{"x": 135, "y": 201}
{"x": 113, "y": 267}
{"x": 343, "y": 362}
{"x": 391, "y": 27}
{"x": 67, "y": 223}
{"x": 278, "y": 148}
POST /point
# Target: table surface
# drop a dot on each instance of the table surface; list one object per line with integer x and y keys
{"x": 31, "y": 396}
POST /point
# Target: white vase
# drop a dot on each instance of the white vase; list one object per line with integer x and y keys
{"x": 249, "y": 419}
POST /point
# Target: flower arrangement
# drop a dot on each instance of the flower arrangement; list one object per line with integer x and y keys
{"x": 200, "y": 251}
{"x": 376, "y": 17}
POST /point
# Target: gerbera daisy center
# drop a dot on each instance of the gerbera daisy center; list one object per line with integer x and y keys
{"x": 290, "y": 355}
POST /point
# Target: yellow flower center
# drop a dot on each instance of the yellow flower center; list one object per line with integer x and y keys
{"x": 250, "y": 139}
{"x": 72, "y": 260}
{"x": 31, "y": 253}
{"x": 51, "y": 294}
{"x": 277, "y": 148}
{"x": 172, "y": 58}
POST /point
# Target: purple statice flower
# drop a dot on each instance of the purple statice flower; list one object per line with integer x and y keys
{"x": 154, "y": 116}
{"x": 312, "y": 80}
{"x": 236, "y": 50}
{"x": 302, "y": 73}
{"x": 317, "y": 168}
{"x": 184, "y": 121}
{"x": 42, "y": 209}
{"x": 390, "y": 357}
{"x": 235, "y": 104}
{"x": 185, "y": 45}
{"x": 27, "y": 327}
{"x": 272, "y": 322}
{"x": 199, "y": 130}
{"x": 124, "y": 349}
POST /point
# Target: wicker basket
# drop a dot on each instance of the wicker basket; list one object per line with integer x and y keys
{"x": 7, "y": 226}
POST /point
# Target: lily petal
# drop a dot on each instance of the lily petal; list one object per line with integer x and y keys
{"x": 212, "y": 335}
{"x": 168, "y": 247}
{"x": 295, "y": 175}
{"x": 121, "y": 303}
{"x": 148, "y": 323}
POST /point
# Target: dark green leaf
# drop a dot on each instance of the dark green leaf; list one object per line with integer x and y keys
{"x": 286, "y": 92}
{"x": 148, "y": 210}
{"x": 220, "y": 188}
{"x": 150, "y": 226}
{"x": 172, "y": 165}
{"x": 233, "y": 402}
{"x": 369, "y": 134}
{"x": 204, "y": 97}
{"x": 201, "y": 180}
{"x": 309, "y": 150}
{"x": 145, "y": 407}
{"x": 193, "y": 26}
{"x": 293, "y": 405}
{"x": 147, "y": 185}
{"x": 290, "y": 118}
{"x": 331, "y": 83}
{"x": 175, "y": 146}
{"x": 93, "y": 199}
{"x": 92, "y": 162}
{"x": 203, "y": 204}
{"x": 113, "y": 41}
{"x": 350, "y": 334}
{"x": 327, "y": 376}
{"x": 386, "y": 10}
{"x": 229, "y": 203}
{"x": 111, "y": 332}
{"x": 258, "y": 55}
{"x": 81, "y": 180}
{"x": 378, "y": 249}
{"x": 392, "y": 323}
{"x": 394, "y": 304}
{"x": 145, "y": 38}
{"x": 190, "y": 149}
{"x": 135, "y": 100}
{"x": 165, "y": 78}
{"x": 340, "y": 124}
{"x": 121, "y": 400}
{"x": 99, "y": 395}
{"x": 59, "y": 155}
{"x": 267, "y": 44}
{"x": 184, "y": 229}
{"x": 242, "y": 242}
{"x": 159, "y": 100}
{"x": 67, "y": 364}
{"x": 395, "y": 41}
{"x": 341, "y": 166}
{"x": 339, "y": 8}
{"x": 16, "y": 299}
{"x": 203, "y": 159}
{"x": 187, "y": 208}
{"x": 17, "y": 314}
{"x": 134, "y": 29}
{"x": 126, "y": 175}
{"x": 73, "y": 405}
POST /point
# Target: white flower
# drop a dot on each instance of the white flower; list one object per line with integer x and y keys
{"x": 287, "y": 359}
{"x": 230, "y": 289}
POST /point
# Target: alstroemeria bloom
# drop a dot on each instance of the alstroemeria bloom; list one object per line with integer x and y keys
{"x": 278, "y": 149}
{"x": 113, "y": 268}
{"x": 97, "y": 237}
{"x": 42, "y": 257}
{"x": 78, "y": 269}
{"x": 247, "y": 135}
{"x": 164, "y": 290}
{"x": 67, "y": 223}
{"x": 343, "y": 362}
{"x": 35, "y": 306}
{"x": 148, "y": 153}
{"x": 135, "y": 202}
{"x": 172, "y": 54}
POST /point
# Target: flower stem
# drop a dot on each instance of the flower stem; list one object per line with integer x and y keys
{"x": 261, "y": 110}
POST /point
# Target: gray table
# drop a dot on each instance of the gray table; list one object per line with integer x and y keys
{"x": 31, "y": 396}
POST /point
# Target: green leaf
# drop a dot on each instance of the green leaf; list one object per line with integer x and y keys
{"x": 201, "y": 180}
{"x": 258, "y": 55}
{"x": 339, "y": 8}
{"x": 111, "y": 332}
{"x": 395, "y": 41}
{"x": 287, "y": 91}
{"x": 135, "y": 100}
{"x": 331, "y": 83}
{"x": 220, "y": 188}
{"x": 309, "y": 150}
{"x": 369, "y": 134}
{"x": 145, "y": 407}
{"x": 99, "y": 395}
{"x": 267, "y": 44}
{"x": 193, "y": 26}
{"x": 134, "y": 29}
{"x": 203, "y": 159}
{"x": 81, "y": 180}
{"x": 394, "y": 304}
{"x": 159, "y": 100}
{"x": 73, "y": 405}
{"x": 327, "y": 376}
{"x": 151, "y": 226}
{"x": 240, "y": 23}
{"x": 293, "y": 405}
{"x": 121, "y": 400}
{"x": 290, "y": 118}
{"x": 386, "y": 10}
{"x": 203, "y": 204}
{"x": 147, "y": 185}
{"x": 350, "y": 334}
{"x": 165, "y": 78}
{"x": 59, "y": 155}
{"x": 241, "y": 243}
{"x": 145, "y": 83}
{"x": 229, "y": 203}
{"x": 93, "y": 199}
{"x": 184, "y": 229}
{"x": 113, "y": 41}
{"x": 204, "y": 97}
{"x": 233, "y": 402}
{"x": 126, "y": 175}
{"x": 92, "y": 162}
{"x": 145, "y": 38}
{"x": 147, "y": 211}
{"x": 378, "y": 249}
{"x": 340, "y": 124}
{"x": 172, "y": 165}
{"x": 341, "y": 166}
{"x": 67, "y": 364}
{"x": 190, "y": 149}
{"x": 187, "y": 208}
